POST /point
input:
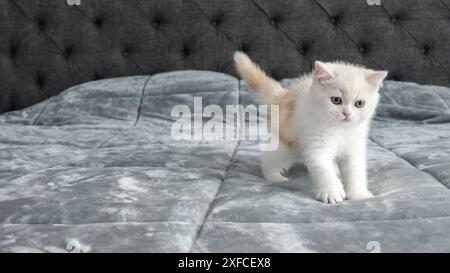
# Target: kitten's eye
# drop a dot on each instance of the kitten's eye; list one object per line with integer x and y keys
{"x": 336, "y": 100}
{"x": 359, "y": 103}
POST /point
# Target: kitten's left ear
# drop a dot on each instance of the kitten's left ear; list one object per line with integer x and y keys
{"x": 376, "y": 77}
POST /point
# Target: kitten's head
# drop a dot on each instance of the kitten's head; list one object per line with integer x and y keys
{"x": 344, "y": 93}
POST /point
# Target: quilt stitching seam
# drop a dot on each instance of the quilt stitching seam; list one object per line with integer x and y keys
{"x": 35, "y": 121}
{"x": 141, "y": 101}
{"x": 406, "y": 160}
{"x": 208, "y": 211}
{"x": 443, "y": 100}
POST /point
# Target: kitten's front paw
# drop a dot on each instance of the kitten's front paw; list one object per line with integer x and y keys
{"x": 359, "y": 195}
{"x": 331, "y": 194}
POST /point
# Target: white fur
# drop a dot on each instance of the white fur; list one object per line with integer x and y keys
{"x": 273, "y": 163}
{"x": 332, "y": 148}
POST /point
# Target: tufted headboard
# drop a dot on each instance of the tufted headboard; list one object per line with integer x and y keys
{"x": 47, "y": 45}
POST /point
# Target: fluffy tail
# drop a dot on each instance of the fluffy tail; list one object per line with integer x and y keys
{"x": 257, "y": 80}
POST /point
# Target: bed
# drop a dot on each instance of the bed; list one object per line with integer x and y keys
{"x": 97, "y": 164}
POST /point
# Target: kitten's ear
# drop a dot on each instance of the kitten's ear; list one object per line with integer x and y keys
{"x": 322, "y": 73}
{"x": 376, "y": 77}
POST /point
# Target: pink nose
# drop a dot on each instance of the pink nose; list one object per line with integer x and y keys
{"x": 346, "y": 114}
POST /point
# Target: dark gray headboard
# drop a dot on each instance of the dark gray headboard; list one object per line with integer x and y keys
{"x": 47, "y": 45}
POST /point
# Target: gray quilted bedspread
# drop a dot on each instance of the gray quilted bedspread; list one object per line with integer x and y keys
{"x": 97, "y": 165}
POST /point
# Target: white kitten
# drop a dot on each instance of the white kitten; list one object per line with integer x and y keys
{"x": 324, "y": 122}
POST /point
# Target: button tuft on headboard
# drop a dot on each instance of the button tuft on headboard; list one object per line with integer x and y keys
{"x": 40, "y": 80}
{"x": 302, "y": 49}
{"x": 362, "y": 49}
{"x": 244, "y": 48}
{"x": 13, "y": 52}
{"x": 41, "y": 23}
{"x": 127, "y": 51}
{"x": 334, "y": 19}
{"x": 67, "y": 52}
{"x": 185, "y": 51}
{"x": 157, "y": 21}
{"x": 97, "y": 76}
{"x": 98, "y": 22}
{"x": 214, "y": 22}
{"x": 273, "y": 22}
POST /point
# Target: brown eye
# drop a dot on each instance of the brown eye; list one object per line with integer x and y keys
{"x": 336, "y": 100}
{"x": 359, "y": 103}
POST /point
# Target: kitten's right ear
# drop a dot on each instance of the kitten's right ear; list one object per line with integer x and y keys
{"x": 376, "y": 77}
{"x": 322, "y": 73}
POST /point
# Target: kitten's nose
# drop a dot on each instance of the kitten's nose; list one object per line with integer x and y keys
{"x": 346, "y": 114}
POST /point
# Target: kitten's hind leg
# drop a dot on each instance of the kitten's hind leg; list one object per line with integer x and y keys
{"x": 273, "y": 163}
